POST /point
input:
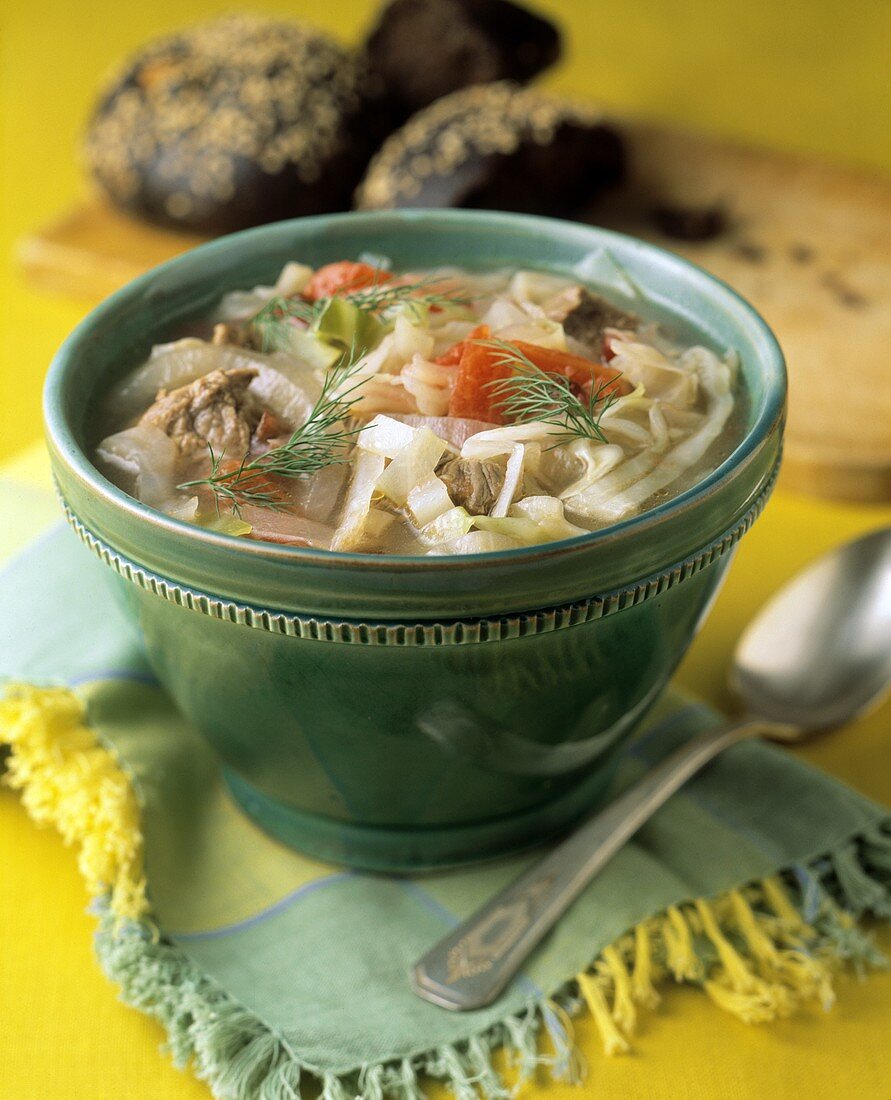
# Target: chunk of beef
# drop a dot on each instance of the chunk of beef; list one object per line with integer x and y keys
{"x": 584, "y": 315}
{"x": 214, "y": 410}
{"x": 472, "y": 483}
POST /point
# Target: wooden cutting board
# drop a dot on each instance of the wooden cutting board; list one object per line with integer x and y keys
{"x": 809, "y": 244}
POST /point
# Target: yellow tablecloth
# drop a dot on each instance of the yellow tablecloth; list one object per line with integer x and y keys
{"x": 809, "y": 76}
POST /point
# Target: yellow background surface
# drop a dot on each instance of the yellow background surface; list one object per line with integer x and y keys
{"x": 810, "y": 76}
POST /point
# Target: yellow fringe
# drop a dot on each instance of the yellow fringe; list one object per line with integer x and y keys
{"x": 683, "y": 961}
{"x": 642, "y": 988}
{"x": 69, "y": 780}
{"x": 763, "y": 972}
{"x": 779, "y": 901}
{"x": 614, "y": 1042}
{"x": 624, "y": 1012}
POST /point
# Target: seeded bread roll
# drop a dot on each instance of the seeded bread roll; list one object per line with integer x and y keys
{"x": 495, "y": 147}
{"x": 421, "y": 50}
{"x": 234, "y": 122}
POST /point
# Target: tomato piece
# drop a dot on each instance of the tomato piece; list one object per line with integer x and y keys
{"x": 452, "y": 357}
{"x": 342, "y": 277}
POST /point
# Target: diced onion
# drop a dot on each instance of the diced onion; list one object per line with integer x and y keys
{"x": 446, "y": 528}
{"x": 385, "y": 436}
{"x": 148, "y": 455}
{"x": 412, "y": 465}
{"x": 429, "y": 500}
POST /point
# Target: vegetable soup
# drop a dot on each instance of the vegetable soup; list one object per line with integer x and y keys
{"x": 443, "y": 412}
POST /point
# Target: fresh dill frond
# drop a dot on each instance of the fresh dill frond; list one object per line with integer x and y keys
{"x": 324, "y": 439}
{"x": 532, "y": 394}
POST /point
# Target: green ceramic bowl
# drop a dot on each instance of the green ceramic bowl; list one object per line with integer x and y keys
{"x": 401, "y": 712}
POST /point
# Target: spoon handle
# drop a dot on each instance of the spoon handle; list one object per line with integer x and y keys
{"x": 470, "y": 966}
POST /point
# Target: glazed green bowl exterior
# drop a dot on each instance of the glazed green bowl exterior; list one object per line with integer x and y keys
{"x": 398, "y": 712}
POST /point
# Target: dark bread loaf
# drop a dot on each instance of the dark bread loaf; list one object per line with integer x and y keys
{"x": 495, "y": 147}
{"x": 421, "y": 50}
{"x": 234, "y": 122}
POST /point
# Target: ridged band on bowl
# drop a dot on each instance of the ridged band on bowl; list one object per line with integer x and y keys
{"x": 452, "y": 632}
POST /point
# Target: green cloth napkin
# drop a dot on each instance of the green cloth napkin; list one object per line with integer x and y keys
{"x": 264, "y": 964}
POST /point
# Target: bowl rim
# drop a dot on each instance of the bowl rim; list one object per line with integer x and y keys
{"x": 63, "y": 438}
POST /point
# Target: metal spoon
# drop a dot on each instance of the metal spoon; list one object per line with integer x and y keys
{"x": 818, "y": 655}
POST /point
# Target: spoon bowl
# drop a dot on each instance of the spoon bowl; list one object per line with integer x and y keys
{"x": 819, "y": 653}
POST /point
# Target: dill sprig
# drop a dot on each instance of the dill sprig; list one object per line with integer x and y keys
{"x": 324, "y": 439}
{"x": 275, "y": 319}
{"x": 532, "y": 394}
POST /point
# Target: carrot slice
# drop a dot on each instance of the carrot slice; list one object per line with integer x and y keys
{"x": 342, "y": 277}
{"x": 472, "y": 397}
{"x": 480, "y": 365}
{"x": 256, "y": 481}
{"x": 581, "y": 372}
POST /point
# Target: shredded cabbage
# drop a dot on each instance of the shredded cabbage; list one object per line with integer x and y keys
{"x": 531, "y": 521}
{"x": 535, "y": 286}
{"x": 634, "y": 481}
{"x": 547, "y": 513}
{"x": 646, "y": 366}
{"x": 395, "y": 350}
{"x": 241, "y": 304}
{"x": 430, "y": 384}
{"x": 480, "y": 542}
{"x": 597, "y": 460}
{"x": 501, "y": 441}
{"x": 512, "y": 480}
{"x": 287, "y": 391}
{"x": 171, "y": 366}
